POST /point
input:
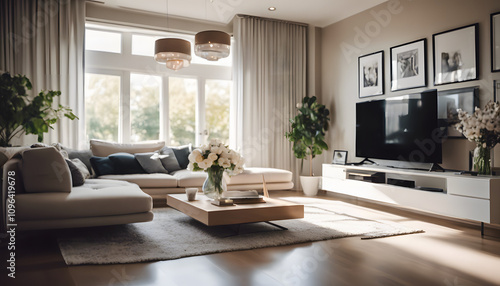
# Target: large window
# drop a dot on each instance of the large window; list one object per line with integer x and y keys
{"x": 102, "y": 103}
{"x": 217, "y": 97}
{"x": 145, "y": 107}
{"x": 131, "y": 98}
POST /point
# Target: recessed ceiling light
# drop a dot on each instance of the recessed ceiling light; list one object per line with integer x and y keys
{"x": 271, "y": 8}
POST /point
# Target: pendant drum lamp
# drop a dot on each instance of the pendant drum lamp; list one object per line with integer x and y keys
{"x": 212, "y": 45}
{"x": 175, "y": 53}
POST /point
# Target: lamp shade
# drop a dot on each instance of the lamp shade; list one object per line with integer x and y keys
{"x": 175, "y": 53}
{"x": 212, "y": 45}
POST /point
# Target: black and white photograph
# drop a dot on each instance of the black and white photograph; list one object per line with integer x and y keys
{"x": 371, "y": 74}
{"x": 339, "y": 157}
{"x": 495, "y": 41}
{"x": 455, "y": 55}
{"x": 450, "y": 101}
{"x": 408, "y": 65}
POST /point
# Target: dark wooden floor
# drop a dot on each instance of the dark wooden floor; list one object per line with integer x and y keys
{"x": 448, "y": 253}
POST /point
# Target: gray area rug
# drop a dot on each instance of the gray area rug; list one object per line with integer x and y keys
{"x": 173, "y": 235}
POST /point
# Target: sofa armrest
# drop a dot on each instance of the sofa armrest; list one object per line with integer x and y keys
{"x": 11, "y": 169}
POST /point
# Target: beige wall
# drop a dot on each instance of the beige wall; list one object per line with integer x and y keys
{"x": 408, "y": 21}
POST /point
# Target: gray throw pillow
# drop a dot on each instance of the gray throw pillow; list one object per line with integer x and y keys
{"x": 76, "y": 176}
{"x": 81, "y": 167}
{"x": 168, "y": 160}
{"x": 150, "y": 162}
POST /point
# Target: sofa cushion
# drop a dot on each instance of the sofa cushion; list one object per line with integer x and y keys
{"x": 254, "y": 175}
{"x": 9, "y": 152}
{"x": 81, "y": 167}
{"x": 125, "y": 163}
{"x": 168, "y": 160}
{"x": 82, "y": 155}
{"x": 77, "y": 178}
{"x": 95, "y": 198}
{"x": 182, "y": 154}
{"x": 102, "y": 148}
{"x": 45, "y": 170}
{"x": 186, "y": 178}
{"x": 150, "y": 162}
{"x": 102, "y": 166}
{"x": 146, "y": 180}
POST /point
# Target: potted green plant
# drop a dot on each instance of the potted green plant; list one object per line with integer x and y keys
{"x": 307, "y": 134}
{"x": 18, "y": 113}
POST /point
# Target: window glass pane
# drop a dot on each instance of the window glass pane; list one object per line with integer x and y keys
{"x": 217, "y": 96}
{"x": 182, "y": 94}
{"x": 102, "y": 102}
{"x": 143, "y": 45}
{"x": 103, "y": 41}
{"x": 145, "y": 107}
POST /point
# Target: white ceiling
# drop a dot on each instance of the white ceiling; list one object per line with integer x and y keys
{"x": 319, "y": 13}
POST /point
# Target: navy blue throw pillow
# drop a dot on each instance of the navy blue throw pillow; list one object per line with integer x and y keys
{"x": 126, "y": 163}
{"x": 102, "y": 166}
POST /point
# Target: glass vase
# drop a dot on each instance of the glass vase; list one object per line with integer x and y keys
{"x": 215, "y": 184}
{"x": 482, "y": 160}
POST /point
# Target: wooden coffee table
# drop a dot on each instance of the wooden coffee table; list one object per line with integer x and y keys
{"x": 205, "y": 212}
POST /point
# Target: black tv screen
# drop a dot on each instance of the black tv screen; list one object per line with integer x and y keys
{"x": 403, "y": 128}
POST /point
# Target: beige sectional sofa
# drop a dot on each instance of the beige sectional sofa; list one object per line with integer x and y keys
{"x": 42, "y": 202}
{"x": 158, "y": 185}
{"x": 53, "y": 203}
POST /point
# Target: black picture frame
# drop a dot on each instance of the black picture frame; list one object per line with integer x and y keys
{"x": 339, "y": 157}
{"x": 456, "y": 55}
{"x": 496, "y": 89}
{"x": 409, "y": 65}
{"x": 495, "y": 41}
{"x": 449, "y": 101}
{"x": 371, "y": 74}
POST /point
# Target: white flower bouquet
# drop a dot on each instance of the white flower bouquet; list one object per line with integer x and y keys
{"x": 215, "y": 158}
{"x": 483, "y": 126}
{"x": 216, "y": 155}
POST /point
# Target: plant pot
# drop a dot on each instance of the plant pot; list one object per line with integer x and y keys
{"x": 310, "y": 185}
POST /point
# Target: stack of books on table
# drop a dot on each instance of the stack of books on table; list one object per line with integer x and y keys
{"x": 243, "y": 197}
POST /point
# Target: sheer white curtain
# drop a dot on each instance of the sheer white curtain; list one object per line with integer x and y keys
{"x": 270, "y": 79}
{"x": 44, "y": 40}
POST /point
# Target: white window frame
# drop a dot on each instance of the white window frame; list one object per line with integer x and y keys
{"x": 125, "y": 63}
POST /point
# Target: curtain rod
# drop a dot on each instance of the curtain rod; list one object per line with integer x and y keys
{"x": 273, "y": 20}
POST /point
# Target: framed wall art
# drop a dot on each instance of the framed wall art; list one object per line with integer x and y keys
{"x": 408, "y": 65}
{"x": 371, "y": 74}
{"x": 450, "y": 101}
{"x": 495, "y": 41}
{"x": 456, "y": 55}
{"x": 339, "y": 157}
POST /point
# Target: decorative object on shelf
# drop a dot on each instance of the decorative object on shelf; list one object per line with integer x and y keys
{"x": 212, "y": 45}
{"x": 215, "y": 158}
{"x": 495, "y": 41}
{"x": 456, "y": 55}
{"x": 339, "y": 157}
{"x": 307, "y": 135}
{"x": 483, "y": 128}
{"x": 452, "y": 100}
{"x": 371, "y": 74}
{"x": 175, "y": 53}
{"x": 19, "y": 114}
{"x": 408, "y": 68}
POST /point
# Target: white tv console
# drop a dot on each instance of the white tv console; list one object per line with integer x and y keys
{"x": 464, "y": 196}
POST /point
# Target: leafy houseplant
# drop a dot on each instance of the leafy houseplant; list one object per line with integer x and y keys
{"x": 308, "y": 130}
{"x": 18, "y": 113}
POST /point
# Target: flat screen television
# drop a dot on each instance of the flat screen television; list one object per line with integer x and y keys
{"x": 403, "y": 128}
